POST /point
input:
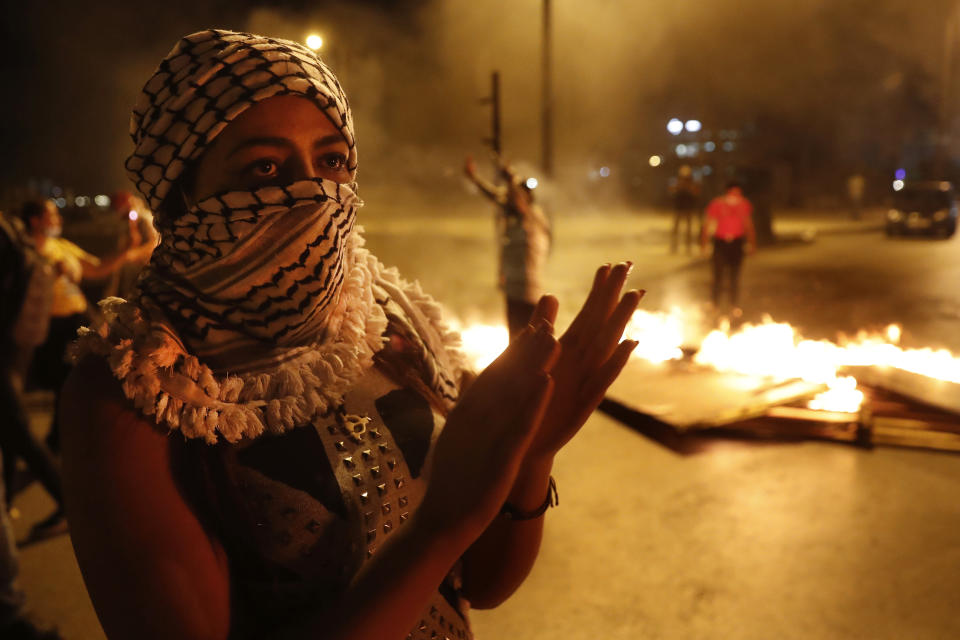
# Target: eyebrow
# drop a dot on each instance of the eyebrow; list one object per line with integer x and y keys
{"x": 325, "y": 141}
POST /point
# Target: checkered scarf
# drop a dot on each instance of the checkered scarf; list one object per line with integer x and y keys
{"x": 260, "y": 309}
{"x": 207, "y": 80}
{"x": 247, "y": 271}
{"x": 255, "y": 272}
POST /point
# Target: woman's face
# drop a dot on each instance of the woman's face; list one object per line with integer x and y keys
{"x": 273, "y": 143}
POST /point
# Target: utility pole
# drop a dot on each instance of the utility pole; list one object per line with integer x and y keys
{"x": 493, "y": 100}
{"x": 494, "y": 140}
{"x": 947, "y": 75}
{"x": 546, "y": 113}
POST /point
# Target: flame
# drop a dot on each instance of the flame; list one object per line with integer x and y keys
{"x": 843, "y": 396}
{"x": 770, "y": 349}
{"x": 659, "y": 335}
{"x": 481, "y": 343}
{"x": 777, "y": 351}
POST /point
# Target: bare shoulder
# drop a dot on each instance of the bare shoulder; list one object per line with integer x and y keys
{"x": 98, "y": 422}
{"x": 112, "y": 456}
{"x": 144, "y": 554}
{"x": 91, "y": 386}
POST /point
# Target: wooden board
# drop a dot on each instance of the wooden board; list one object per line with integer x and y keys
{"x": 685, "y": 396}
{"x": 937, "y": 393}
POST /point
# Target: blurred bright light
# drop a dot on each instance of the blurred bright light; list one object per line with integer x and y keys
{"x": 682, "y": 150}
{"x": 728, "y": 146}
{"x": 604, "y": 172}
{"x": 655, "y": 161}
{"x": 693, "y": 126}
{"x": 675, "y": 126}
{"x": 101, "y": 200}
{"x": 133, "y": 215}
{"x": 897, "y": 185}
{"x": 314, "y": 41}
{"x": 893, "y": 334}
{"x": 81, "y": 201}
{"x": 901, "y": 174}
{"x": 61, "y": 202}
{"x": 482, "y": 343}
{"x": 532, "y": 183}
{"x": 710, "y": 145}
{"x": 707, "y": 170}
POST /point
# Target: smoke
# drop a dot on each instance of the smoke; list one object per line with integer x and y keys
{"x": 846, "y": 80}
{"x": 815, "y": 79}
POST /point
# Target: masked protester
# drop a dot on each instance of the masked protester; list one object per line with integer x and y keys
{"x": 272, "y": 436}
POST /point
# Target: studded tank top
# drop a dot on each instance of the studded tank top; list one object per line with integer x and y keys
{"x": 299, "y": 513}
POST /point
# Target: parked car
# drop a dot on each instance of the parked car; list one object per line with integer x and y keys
{"x": 923, "y": 208}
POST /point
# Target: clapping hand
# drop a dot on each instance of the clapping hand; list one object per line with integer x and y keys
{"x": 479, "y": 451}
{"x": 527, "y": 404}
{"x": 591, "y": 357}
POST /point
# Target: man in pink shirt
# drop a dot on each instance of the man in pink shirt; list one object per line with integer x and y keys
{"x": 730, "y": 225}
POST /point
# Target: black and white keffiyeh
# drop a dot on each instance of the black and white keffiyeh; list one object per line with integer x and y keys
{"x": 206, "y": 81}
{"x": 259, "y": 309}
{"x": 255, "y": 272}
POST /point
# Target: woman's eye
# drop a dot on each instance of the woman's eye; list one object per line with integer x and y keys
{"x": 263, "y": 168}
{"x": 333, "y": 161}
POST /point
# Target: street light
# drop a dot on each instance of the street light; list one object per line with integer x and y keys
{"x": 675, "y": 126}
{"x": 693, "y": 126}
{"x": 314, "y": 41}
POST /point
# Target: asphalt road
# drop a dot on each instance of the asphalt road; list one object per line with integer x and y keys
{"x": 801, "y": 540}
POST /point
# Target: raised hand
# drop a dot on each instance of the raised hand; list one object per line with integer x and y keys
{"x": 478, "y": 454}
{"x": 591, "y": 357}
{"x": 470, "y": 167}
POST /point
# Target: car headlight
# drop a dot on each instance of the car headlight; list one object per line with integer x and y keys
{"x": 940, "y": 215}
{"x": 894, "y": 216}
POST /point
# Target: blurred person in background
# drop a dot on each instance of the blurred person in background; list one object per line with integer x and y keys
{"x": 69, "y": 308}
{"x": 14, "y": 624}
{"x": 278, "y": 436}
{"x": 26, "y": 289}
{"x": 23, "y": 317}
{"x": 524, "y": 237}
{"x": 137, "y": 237}
{"x": 856, "y": 186}
{"x": 685, "y": 193}
{"x": 730, "y": 226}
